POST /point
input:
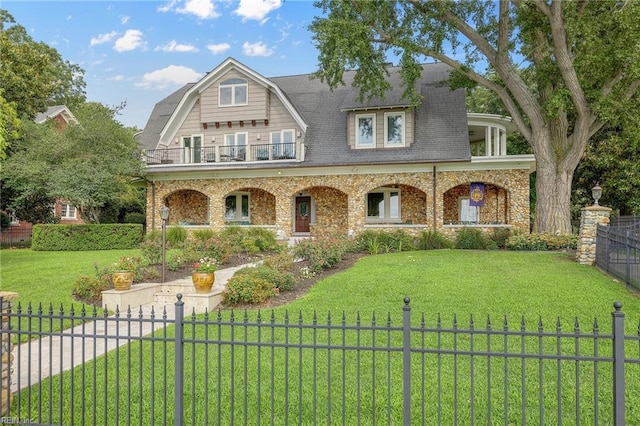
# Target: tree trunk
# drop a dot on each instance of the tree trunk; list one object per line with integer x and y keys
{"x": 553, "y": 188}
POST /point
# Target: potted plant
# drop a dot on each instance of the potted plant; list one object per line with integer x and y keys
{"x": 122, "y": 272}
{"x": 203, "y": 274}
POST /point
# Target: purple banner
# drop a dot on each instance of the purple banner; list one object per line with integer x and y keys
{"x": 476, "y": 194}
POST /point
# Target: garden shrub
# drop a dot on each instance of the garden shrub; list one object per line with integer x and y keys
{"x": 176, "y": 236}
{"x": 282, "y": 261}
{"x": 135, "y": 217}
{"x": 322, "y": 253}
{"x": 500, "y": 236}
{"x": 151, "y": 249}
{"x": 433, "y": 240}
{"x": 545, "y": 242}
{"x": 110, "y": 236}
{"x": 284, "y": 281}
{"x": 251, "y": 240}
{"x": 375, "y": 242}
{"x": 470, "y": 239}
{"x": 89, "y": 289}
{"x": 202, "y": 234}
{"x": 245, "y": 288}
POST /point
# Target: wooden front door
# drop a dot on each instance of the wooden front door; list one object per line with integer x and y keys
{"x": 303, "y": 214}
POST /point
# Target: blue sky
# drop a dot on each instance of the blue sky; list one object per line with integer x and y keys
{"x": 141, "y": 51}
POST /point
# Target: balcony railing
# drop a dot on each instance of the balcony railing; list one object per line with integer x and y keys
{"x": 224, "y": 154}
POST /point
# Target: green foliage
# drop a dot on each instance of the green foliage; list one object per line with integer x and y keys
{"x": 246, "y": 288}
{"x": 202, "y": 234}
{"x": 251, "y": 240}
{"x": 86, "y": 237}
{"x": 500, "y": 236}
{"x": 89, "y": 290}
{"x": 135, "y": 217}
{"x": 322, "y": 253}
{"x": 176, "y": 236}
{"x": 375, "y": 242}
{"x": 283, "y": 280}
{"x": 282, "y": 261}
{"x": 543, "y": 241}
{"x": 470, "y": 239}
{"x": 433, "y": 240}
{"x": 5, "y": 220}
{"x": 215, "y": 247}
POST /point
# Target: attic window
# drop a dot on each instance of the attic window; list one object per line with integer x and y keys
{"x": 233, "y": 92}
{"x": 365, "y": 130}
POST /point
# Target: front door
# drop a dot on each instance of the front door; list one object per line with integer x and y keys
{"x": 303, "y": 214}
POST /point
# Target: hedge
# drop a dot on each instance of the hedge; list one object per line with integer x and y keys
{"x": 86, "y": 237}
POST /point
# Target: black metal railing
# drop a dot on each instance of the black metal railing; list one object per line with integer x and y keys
{"x": 618, "y": 250}
{"x": 213, "y": 154}
{"x": 231, "y": 367}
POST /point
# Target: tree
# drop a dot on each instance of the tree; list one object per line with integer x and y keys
{"x": 33, "y": 74}
{"x": 565, "y": 68}
{"x": 87, "y": 164}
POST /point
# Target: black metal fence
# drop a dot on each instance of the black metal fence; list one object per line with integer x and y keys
{"x": 618, "y": 249}
{"x": 230, "y": 368}
{"x": 15, "y": 237}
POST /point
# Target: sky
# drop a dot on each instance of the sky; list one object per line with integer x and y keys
{"x": 139, "y": 52}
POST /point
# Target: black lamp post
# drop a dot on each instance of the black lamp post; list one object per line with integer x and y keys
{"x": 164, "y": 215}
{"x": 596, "y": 193}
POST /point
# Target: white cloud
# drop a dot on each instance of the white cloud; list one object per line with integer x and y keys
{"x": 103, "y": 38}
{"x": 118, "y": 77}
{"x": 203, "y": 9}
{"x": 174, "y": 46}
{"x": 131, "y": 40}
{"x": 216, "y": 49}
{"x": 256, "y": 9}
{"x": 173, "y": 75}
{"x": 124, "y": 19}
{"x": 256, "y": 49}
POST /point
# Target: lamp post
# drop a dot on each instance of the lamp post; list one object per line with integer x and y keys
{"x": 164, "y": 215}
{"x": 596, "y": 193}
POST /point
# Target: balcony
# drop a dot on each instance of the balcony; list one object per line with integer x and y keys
{"x": 225, "y": 154}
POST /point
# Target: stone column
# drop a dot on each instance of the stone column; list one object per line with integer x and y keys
{"x": 6, "y": 358}
{"x": 591, "y": 217}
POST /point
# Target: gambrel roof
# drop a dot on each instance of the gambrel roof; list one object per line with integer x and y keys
{"x": 440, "y": 123}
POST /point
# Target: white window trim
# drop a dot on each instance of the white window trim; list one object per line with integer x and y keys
{"x": 460, "y": 202}
{"x": 239, "y": 217}
{"x": 233, "y": 93}
{"x": 357, "y": 130}
{"x": 67, "y": 217}
{"x": 386, "y": 132}
{"x": 387, "y": 206}
{"x": 281, "y": 148}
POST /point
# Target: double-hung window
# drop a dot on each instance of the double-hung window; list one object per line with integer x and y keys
{"x": 67, "y": 211}
{"x": 365, "y": 130}
{"x": 237, "y": 207}
{"x": 233, "y": 92}
{"x": 394, "y": 129}
{"x": 383, "y": 205}
{"x": 235, "y": 146}
{"x": 283, "y": 145}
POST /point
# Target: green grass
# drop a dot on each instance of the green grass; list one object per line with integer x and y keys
{"x": 48, "y": 276}
{"x": 494, "y": 285}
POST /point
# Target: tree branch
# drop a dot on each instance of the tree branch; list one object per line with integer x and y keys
{"x": 503, "y": 28}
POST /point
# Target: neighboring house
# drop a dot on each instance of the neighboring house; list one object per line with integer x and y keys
{"x": 288, "y": 154}
{"x": 67, "y": 213}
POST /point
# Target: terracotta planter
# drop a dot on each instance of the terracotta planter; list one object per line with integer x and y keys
{"x": 122, "y": 280}
{"x": 203, "y": 281}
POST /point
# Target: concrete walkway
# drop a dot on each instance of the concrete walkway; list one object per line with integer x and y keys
{"x": 40, "y": 358}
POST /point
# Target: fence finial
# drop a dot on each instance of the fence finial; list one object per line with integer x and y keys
{"x": 617, "y": 305}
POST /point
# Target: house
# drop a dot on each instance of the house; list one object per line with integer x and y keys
{"x": 20, "y": 230}
{"x": 288, "y": 154}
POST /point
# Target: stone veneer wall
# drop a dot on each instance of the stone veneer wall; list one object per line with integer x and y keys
{"x": 493, "y": 211}
{"x": 591, "y": 217}
{"x": 188, "y": 206}
{"x": 340, "y": 200}
{"x": 6, "y": 357}
{"x": 262, "y": 207}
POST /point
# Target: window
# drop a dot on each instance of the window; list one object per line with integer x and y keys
{"x": 468, "y": 213}
{"x": 192, "y": 149}
{"x": 394, "y": 129}
{"x": 235, "y": 146}
{"x": 365, "y": 130}
{"x": 233, "y": 92}
{"x": 383, "y": 204}
{"x": 237, "y": 207}
{"x": 283, "y": 145}
{"x": 67, "y": 211}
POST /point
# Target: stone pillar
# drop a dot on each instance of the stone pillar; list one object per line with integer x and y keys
{"x": 6, "y": 358}
{"x": 591, "y": 217}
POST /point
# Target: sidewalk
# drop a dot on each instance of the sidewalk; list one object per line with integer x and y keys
{"x": 48, "y": 356}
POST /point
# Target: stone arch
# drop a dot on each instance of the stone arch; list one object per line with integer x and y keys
{"x": 330, "y": 210}
{"x": 262, "y": 205}
{"x": 188, "y": 207}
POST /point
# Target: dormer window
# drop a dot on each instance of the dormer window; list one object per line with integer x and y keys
{"x": 365, "y": 130}
{"x": 233, "y": 92}
{"x": 394, "y": 129}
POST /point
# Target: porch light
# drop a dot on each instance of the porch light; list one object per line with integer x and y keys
{"x": 596, "y": 193}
